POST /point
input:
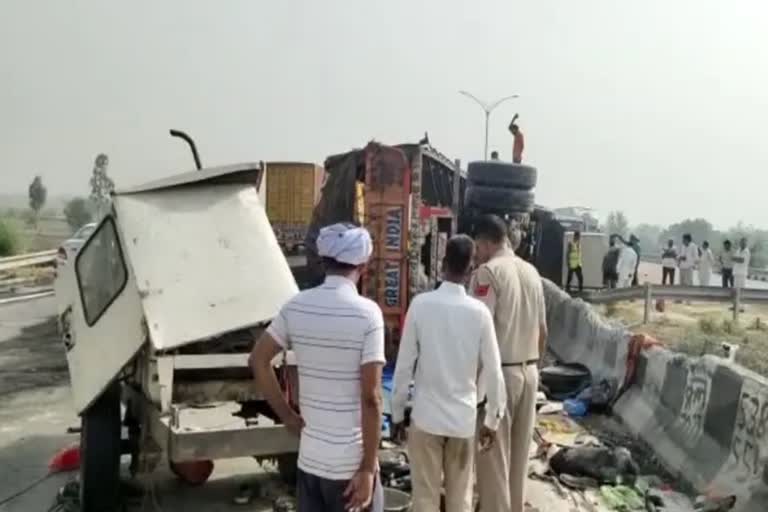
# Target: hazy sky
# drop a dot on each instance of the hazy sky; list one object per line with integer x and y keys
{"x": 656, "y": 107}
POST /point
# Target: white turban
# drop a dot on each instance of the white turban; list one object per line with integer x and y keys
{"x": 345, "y": 243}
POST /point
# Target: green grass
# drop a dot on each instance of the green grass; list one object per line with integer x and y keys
{"x": 700, "y": 329}
{"x": 9, "y": 238}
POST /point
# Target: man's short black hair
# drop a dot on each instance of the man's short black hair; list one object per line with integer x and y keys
{"x": 491, "y": 228}
{"x": 727, "y": 242}
{"x": 687, "y": 236}
{"x": 337, "y": 267}
{"x": 458, "y": 254}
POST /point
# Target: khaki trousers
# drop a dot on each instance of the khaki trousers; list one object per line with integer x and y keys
{"x": 439, "y": 462}
{"x": 503, "y": 470}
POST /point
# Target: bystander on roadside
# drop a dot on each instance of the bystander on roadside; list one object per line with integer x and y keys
{"x": 688, "y": 257}
{"x": 449, "y": 350}
{"x": 741, "y": 264}
{"x": 668, "y": 263}
{"x": 512, "y": 290}
{"x": 706, "y": 262}
{"x": 726, "y": 264}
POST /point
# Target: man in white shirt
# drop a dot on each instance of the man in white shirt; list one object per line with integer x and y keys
{"x": 626, "y": 265}
{"x": 448, "y": 338}
{"x": 689, "y": 257}
{"x": 706, "y": 262}
{"x": 338, "y": 339}
{"x": 741, "y": 264}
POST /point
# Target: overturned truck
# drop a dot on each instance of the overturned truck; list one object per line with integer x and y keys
{"x": 412, "y": 199}
{"x": 158, "y": 314}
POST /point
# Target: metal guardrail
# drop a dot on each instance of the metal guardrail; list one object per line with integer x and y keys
{"x": 735, "y": 296}
{"x": 27, "y": 260}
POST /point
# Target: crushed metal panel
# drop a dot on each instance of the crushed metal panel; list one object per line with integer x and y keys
{"x": 205, "y": 259}
{"x": 247, "y": 173}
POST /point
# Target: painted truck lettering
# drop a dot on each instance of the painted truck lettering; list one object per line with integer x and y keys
{"x": 392, "y": 285}
{"x": 394, "y": 229}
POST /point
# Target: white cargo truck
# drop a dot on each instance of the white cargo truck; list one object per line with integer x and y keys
{"x": 158, "y": 314}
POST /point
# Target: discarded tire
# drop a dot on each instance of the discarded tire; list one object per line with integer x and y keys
{"x": 498, "y": 199}
{"x": 100, "y": 449}
{"x": 502, "y": 174}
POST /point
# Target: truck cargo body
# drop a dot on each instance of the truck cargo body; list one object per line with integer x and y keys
{"x": 292, "y": 190}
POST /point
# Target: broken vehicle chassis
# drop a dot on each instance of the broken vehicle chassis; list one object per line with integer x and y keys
{"x": 177, "y": 407}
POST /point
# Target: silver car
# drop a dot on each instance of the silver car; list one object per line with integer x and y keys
{"x": 70, "y": 247}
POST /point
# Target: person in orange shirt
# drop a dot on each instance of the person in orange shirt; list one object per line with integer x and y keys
{"x": 519, "y": 141}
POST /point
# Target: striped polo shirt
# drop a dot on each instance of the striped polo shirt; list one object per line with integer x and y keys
{"x": 333, "y": 331}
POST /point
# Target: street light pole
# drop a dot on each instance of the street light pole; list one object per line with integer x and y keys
{"x": 488, "y": 108}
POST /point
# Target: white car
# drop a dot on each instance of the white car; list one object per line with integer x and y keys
{"x": 70, "y": 247}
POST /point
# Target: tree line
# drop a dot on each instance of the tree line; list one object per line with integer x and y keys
{"x": 77, "y": 211}
{"x": 653, "y": 237}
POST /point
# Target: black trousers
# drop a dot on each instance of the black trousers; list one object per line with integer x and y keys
{"x": 667, "y": 272}
{"x": 727, "y": 274}
{"x": 316, "y": 494}
{"x": 579, "y": 277}
{"x": 610, "y": 279}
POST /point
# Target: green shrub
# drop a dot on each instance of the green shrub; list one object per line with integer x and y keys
{"x": 9, "y": 240}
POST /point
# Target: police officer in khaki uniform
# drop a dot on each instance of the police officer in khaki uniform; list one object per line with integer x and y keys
{"x": 512, "y": 290}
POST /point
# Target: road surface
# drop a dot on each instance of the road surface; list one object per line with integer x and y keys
{"x": 35, "y": 412}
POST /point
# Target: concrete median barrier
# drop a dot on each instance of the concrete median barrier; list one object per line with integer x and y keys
{"x": 577, "y": 334}
{"x": 705, "y": 418}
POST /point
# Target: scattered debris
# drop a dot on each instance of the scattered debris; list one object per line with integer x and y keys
{"x": 622, "y": 498}
{"x": 606, "y": 465}
{"x": 284, "y": 504}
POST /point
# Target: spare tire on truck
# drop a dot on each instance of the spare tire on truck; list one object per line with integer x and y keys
{"x": 495, "y": 199}
{"x": 501, "y": 174}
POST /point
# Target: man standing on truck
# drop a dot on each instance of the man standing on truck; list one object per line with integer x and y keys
{"x": 452, "y": 335}
{"x": 512, "y": 290}
{"x": 338, "y": 339}
{"x": 518, "y": 144}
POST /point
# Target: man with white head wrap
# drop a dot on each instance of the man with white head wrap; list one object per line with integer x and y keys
{"x": 338, "y": 339}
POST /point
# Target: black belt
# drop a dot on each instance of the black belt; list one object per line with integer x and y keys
{"x": 526, "y": 363}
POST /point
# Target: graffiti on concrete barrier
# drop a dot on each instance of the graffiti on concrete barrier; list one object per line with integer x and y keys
{"x": 695, "y": 399}
{"x": 750, "y": 438}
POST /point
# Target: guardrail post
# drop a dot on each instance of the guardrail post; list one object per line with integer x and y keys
{"x": 648, "y": 302}
{"x": 736, "y": 304}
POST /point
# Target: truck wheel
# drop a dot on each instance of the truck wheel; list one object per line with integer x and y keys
{"x": 499, "y": 199}
{"x": 100, "y": 450}
{"x": 287, "y": 467}
{"x": 502, "y": 174}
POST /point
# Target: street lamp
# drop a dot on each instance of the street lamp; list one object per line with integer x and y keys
{"x": 487, "y": 108}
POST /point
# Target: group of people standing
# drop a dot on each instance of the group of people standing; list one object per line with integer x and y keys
{"x": 470, "y": 348}
{"x": 733, "y": 263}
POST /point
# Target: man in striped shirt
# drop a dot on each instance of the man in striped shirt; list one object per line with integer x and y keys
{"x": 338, "y": 339}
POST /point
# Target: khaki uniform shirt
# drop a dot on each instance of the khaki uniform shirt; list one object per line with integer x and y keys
{"x": 513, "y": 291}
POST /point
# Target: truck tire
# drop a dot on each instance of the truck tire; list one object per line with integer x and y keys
{"x": 498, "y": 199}
{"x": 100, "y": 450}
{"x": 287, "y": 467}
{"x": 502, "y": 174}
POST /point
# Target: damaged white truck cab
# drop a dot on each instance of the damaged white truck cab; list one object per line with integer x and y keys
{"x": 163, "y": 304}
